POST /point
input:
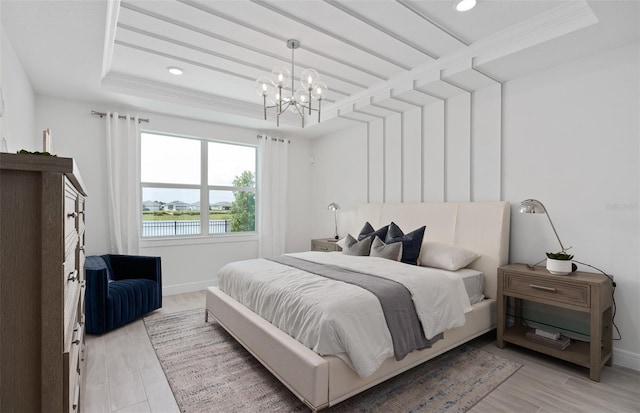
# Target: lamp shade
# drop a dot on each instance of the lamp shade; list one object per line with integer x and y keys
{"x": 333, "y": 207}
{"x": 532, "y": 206}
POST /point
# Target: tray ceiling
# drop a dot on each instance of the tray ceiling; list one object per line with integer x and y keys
{"x": 383, "y": 53}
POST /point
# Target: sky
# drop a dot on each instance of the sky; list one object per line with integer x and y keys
{"x": 173, "y": 160}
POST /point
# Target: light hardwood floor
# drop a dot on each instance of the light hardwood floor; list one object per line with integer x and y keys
{"x": 122, "y": 374}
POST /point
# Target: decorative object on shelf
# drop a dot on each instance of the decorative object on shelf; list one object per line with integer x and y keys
{"x": 334, "y": 207}
{"x": 46, "y": 140}
{"x": 25, "y": 152}
{"x": 559, "y": 263}
{"x": 559, "y": 343}
{"x": 273, "y": 87}
{"x": 3, "y": 145}
{"x": 533, "y": 206}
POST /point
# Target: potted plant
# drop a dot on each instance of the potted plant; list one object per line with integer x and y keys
{"x": 559, "y": 263}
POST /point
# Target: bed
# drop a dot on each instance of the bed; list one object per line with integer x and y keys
{"x": 323, "y": 381}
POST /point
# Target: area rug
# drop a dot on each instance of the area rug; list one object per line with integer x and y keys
{"x": 209, "y": 371}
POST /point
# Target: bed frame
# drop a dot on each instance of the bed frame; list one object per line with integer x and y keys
{"x": 323, "y": 381}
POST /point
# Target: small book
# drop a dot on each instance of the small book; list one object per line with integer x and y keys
{"x": 559, "y": 344}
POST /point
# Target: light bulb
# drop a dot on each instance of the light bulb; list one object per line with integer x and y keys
{"x": 319, "y": 90}
{"x": 281, "y": 76}
{"x": 308, "y": 77}
{"x": 264, "y": 86}
{"x": 301, "y": 96}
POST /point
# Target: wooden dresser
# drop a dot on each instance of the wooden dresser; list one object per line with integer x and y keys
{"x": 42, "y": 205}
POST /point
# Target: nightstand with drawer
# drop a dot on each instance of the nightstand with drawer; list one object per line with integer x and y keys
{"x": 578, "y": 291}
{"x": 325, "y": 244}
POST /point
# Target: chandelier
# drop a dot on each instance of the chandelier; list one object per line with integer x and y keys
{"x": 274, "y": 88}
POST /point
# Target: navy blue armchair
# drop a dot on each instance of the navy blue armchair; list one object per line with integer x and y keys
{"x": 120, "y": 289}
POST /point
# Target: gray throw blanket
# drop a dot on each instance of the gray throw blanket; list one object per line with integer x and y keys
{"x": 399, "y": 312}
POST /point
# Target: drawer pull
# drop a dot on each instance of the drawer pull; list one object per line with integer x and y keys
{"x": 76, "y": 396}
{"x": 73, "y": 275}
{"x": 540, "y": 287}
{"x": 72, "y": 215}
{"x": 77, "y": 335}
{"x": 324, "y": 249}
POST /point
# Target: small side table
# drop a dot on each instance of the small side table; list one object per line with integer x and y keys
{"x": 325, "y": 244}
{"x": 579, "y": 291}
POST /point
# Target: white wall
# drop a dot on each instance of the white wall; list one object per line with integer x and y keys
{"x": 78, "y": 134}
{"x": 17, "y": 123}
{"x": 570, "y": 140}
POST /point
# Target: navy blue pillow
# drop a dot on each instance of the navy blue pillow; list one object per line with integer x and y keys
{"x": 367, "y": 231}
{"x": 411, "y": 242}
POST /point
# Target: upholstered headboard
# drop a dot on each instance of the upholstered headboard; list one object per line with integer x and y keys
{"x": 482, "y": 227}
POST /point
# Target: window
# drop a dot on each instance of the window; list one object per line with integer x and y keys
{"x": 180, "y": 174}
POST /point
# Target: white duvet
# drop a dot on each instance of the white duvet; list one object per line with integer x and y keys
{"x": 336, "y": 318}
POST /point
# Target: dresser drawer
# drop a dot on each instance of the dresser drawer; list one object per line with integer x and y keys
{"x": 70, "y": 210}
{"x": 551, "y": 289}
{"x": 81, "y": 213}
{"x": 72, "y": 313}
{"x": 71, "y": 272}
{"x": 73, "y": 377}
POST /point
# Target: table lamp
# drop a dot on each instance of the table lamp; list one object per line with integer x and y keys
{"x": 533, "y": 206}
{"x": 334, "y": 207}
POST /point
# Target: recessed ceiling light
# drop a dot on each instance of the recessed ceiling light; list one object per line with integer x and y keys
{"x": 175, "y": 70}
{"x": 465, "y": 5}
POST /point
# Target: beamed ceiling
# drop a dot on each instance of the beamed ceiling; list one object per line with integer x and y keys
{"x": 377, "y": 57}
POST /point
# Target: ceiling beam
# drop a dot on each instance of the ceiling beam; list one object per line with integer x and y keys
{"x": 276, "y": 36}
{"x": 380, "y": 28}
{"x": 339, "y": 38}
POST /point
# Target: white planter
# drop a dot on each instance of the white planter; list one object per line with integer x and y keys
{"x": 559, "y": 267}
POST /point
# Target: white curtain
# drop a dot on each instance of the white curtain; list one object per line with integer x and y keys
{"x": 273, "y": 165}
{"x": 123, "y": 181}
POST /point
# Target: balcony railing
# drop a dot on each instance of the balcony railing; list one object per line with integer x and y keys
{"x": 182, "y": 227}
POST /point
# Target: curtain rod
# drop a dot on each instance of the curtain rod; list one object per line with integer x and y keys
{"x": 274, "y": 139}
{"x": 103, "y": 114}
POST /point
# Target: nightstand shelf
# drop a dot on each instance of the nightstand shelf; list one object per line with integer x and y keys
{"x": 578, "y": 291}
{"x": 577, "y": 352}
{"x": 325, "y": 244}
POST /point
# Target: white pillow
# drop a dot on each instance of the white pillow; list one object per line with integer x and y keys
{"x": 445, "y": 256}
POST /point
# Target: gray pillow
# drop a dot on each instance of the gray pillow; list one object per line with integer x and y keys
{"x": 388, "y": 251}
{"x": 355, "y": 247}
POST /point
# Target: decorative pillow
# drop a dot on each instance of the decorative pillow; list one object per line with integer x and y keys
{"x": 388, "y": 251}
{"x": 446, "y": 257}
{"x": 354, "y": 247}
{"x": 367, "y": 231}
{"x": 411, "y": 242}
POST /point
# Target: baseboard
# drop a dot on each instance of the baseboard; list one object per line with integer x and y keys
{"x": 186, "y": 287}
{"x": 626, "y": 359}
